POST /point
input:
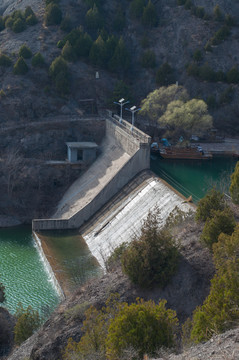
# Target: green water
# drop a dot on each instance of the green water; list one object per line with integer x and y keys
{"x": 195, "y": 177}
{"x": 23, "y": 273}
{"x": 71, "y": 252}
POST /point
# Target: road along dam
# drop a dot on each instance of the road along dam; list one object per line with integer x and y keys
{"x": 124, "y": 153}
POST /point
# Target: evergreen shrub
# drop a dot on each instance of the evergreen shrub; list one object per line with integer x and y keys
{"x": 31, "y": 20}
{"x": 28, "y": 321}
{"x": 5, "y": 60}
{"x": 25, "y": 52}
{"x": 220, "y": 311}
{"x": 28, "y": 12}
{"x": 53, "y": 14}
{"x": 148, "y": 59}
{"x": 164, "y": 75}
{"x": 144, "y": 326}
{"x": 221, "y": 221}
{"x": 38, "y": 60}
{"x": 213, "y": 200}
{"x": 20, "y": 68}
{"x": 2, "y": 23}
{"x": 151, "y": 258}
{"x": 68, "y": 52}
{"x": 234, "y": 187}
{"x": 150, "y": 17}
{"x": 18, "y": 25}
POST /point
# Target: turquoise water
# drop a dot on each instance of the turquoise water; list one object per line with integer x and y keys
{"x": 71, "y": 252}
{"x": 23, "y": 273}
{"x": 195, "y": 177}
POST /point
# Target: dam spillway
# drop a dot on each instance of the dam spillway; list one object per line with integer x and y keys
{"x": 123, "y": 217}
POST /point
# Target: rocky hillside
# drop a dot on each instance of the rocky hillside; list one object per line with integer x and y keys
{"x": 192, "y": 42}
{"x": 178, "y": 38}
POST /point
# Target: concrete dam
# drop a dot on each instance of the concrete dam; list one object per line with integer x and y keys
{"x": 110, "y": 201}
{"x": 124, "y": 153}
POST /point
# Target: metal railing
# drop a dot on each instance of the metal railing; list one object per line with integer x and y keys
{"x": 133, "y": 131}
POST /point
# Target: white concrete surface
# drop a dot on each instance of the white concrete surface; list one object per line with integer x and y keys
{"x": 84, "y": 189}
{"x": 126, "y": 220}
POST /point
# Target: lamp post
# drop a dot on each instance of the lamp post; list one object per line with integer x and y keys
{"x": 133, "y": 110}
{"x": 121, "y": 103}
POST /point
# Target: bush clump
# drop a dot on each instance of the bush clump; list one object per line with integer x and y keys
{"x": 68, "y": 52}
{"x": 28, "y": 12}
{"x": 164, "y": 75}
{"x": 222, "y": 221}
{"x": 59, "y": 73}
{"x": 143, "y": 327}
{"x": 25, "y": 52}
{"x": 28, "y": 321}
{"x": 219, "y": 311}
{"x": 148, "y": 59}
{"x": 19, "y": 20}
{"x": 234, "y": 187}
{"x": 18, "y": 26}
{"x": 214, "y": 200}
{"x": 197, "y": 55}
{"x": 232, "y": 75}
{"x": 221, "y": 35}
{"x": 119, "y": 20}
{"x": 38, "y": 60}
{"x": 5, "y": 60}
{"x": 31, "y": 20}
{"x": 53, "y": 14}
{"x": 66, "y": 24}
{"x": 20, "y": 68}
{"x": 2, "y": 23}
{"x": 152, "y": 257}
{"x": 137, "y": 8}
{"x": 150, "y": 18}
{"x": 93, "y": 18}
{"x": 227, "y": 95}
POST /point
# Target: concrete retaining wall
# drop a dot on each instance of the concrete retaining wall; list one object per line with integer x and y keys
{"x": 136, "y": 144}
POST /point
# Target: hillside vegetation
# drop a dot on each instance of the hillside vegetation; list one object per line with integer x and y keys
{"x": 136, "y": 46}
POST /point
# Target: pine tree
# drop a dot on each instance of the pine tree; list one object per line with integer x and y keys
{"x": 150, "y": 18}
{"x": 93, "y": 18}
{"x": 98, "y": 52}
{"x": 121, "y": 58}
{"x": 68, "y": 52}
{"x": 20, "y": 68}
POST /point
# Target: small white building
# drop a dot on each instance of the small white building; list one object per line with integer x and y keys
{"x": 81, "y": 151}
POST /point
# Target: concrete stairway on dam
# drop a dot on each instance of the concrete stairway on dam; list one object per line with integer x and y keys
{"x": 84, "y": 189}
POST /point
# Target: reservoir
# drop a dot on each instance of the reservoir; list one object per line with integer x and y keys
{"x": 22, "y": 271}
{"x": 195, "y": 177}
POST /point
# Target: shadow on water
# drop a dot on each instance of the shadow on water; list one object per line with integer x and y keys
{"x": 195, "y": 177}
{"x": 70, "y": 258}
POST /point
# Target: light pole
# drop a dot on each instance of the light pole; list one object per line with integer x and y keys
{"x": 133, "y": 110}
{"x": 121, "y": 103}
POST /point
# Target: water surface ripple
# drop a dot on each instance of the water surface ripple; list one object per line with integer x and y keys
{"x": 23, "y": 273}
